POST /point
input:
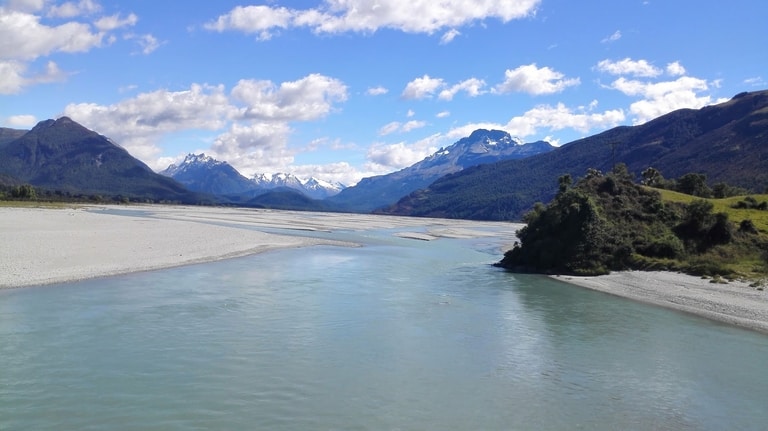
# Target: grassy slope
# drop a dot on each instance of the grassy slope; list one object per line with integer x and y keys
{"x": 759, "y": 218}
{"x": 744, "y": 263}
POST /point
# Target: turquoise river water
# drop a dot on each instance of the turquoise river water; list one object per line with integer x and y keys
{"x": 396, "y": 335}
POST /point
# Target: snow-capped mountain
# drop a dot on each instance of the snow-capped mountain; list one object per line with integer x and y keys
{"x": 480, "y": 147}
{"x": 205, "y": 174}
{"x": 313, "y": 187}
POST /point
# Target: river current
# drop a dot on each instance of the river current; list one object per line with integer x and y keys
{"x": 398, "y": 334}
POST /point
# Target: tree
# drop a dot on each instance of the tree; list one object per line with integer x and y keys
{"x": 652, "y": 177}
{"x": 25, "y": 191}
{"x": 694, "y": 185}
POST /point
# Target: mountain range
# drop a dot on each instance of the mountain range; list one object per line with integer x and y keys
{"x": 480, "y": 147}
{"x": 205, "y": 174}
{"x": 727, "y": 142}
{"x": 487, "y": 175}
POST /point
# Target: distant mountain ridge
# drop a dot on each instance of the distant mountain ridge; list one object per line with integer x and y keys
{"x": 65, "y": 156}
{"x": 727, "y": 142}
{"x": 480, "y": 147}
{"x": 205, "y": 174}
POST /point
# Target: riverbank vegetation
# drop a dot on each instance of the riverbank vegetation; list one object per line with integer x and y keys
{"x": 608, "y": 222}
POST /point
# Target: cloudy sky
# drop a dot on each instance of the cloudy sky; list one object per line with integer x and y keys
{"x": 343, "y": 89}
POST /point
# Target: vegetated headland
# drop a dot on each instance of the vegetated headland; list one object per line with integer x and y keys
{"x": 608, "y": 222}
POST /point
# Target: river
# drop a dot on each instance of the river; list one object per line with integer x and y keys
{"x": 398, "y": 334}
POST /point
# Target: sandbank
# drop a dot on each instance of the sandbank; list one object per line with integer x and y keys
{"x": 735, "y": 303}
{"x": 44, "y": 245}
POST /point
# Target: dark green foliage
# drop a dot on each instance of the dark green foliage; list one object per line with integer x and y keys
{"x": 751, "y": 203}
{"x": 25, "y": 191}
{"x": 594, "y": 227}
{"x": 605, "y": 223}
{"x": 694, "y": 185}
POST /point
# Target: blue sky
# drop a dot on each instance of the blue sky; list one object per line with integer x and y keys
{"x": 344, "y": 89}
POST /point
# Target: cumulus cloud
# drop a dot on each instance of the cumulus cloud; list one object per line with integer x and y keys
{"x": 657, "y": 97}
{"x": 338, "y": 16}
{"x": 421, "y": 88}
{"x": 627, "y": 66}
{"x": 252, "y": 120}
{"x": 548, "y": 118}
{"x": 388, "y": 157}
{"x": 306, "y": 99}
{"x": 534, "y": 80}
{"x": 675, "y": 69}
{"x": 473, "y": 87}
{"x": 660, "y": 98}
{"x": 443, "y": 114}
{"x": 426, "y": 87}
{"x": 25, "y": 38}
{"x": 253, "y": 19}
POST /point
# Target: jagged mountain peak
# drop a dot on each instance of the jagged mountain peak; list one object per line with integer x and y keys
{"x": 192, "y": 162}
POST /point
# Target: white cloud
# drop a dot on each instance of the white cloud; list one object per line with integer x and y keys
{"x": 397, "y": 126}
{"x": 338, "y": 16}
{"x": 389, "y": 128}
{"x": 410, "y": 113}
{"x": 756, "y": 81}
{"x": 449, "y": 35}
{"x": 534, "y": 80}
{"x": 72, "y": 9}
{"x": 113, "y": 22}
{"x": 426, "y": 87}
{"x": 473, "y": 87}
{"x": 252, "y": 120}
{"x": 675, "y": 69}
{"x": 139, "y": 123}
{"x": 376, "y": 91}
{"x": 421, "y": 88}
{"x": 253, "y": 19}
{"x": 146, "y": 42}
{"x": 612, "y": 38}
{"x": 14, "y": 77}
{"x": 548, "y": 118}
{"x": 627, "y": 66}
{"x": 660, "y": 98}
{"x": 23, "y": 37}
{"x": 309, "y": 98}
{"x": 412, "y": 125}
{"x": 260, "y": 147}
{"x": 21, "y": 121}
{"x": 443, "y": 114}
{"x": 25, "y": 5}
{"x": 388, "y": 157}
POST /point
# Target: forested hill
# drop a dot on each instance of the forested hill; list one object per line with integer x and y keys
{"x": 726, "y": 142}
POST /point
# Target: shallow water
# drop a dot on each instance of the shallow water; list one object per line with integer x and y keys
{"x": 397, "y": 335}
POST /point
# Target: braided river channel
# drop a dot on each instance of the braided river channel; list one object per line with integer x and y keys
{"x": 398, "y": 334}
